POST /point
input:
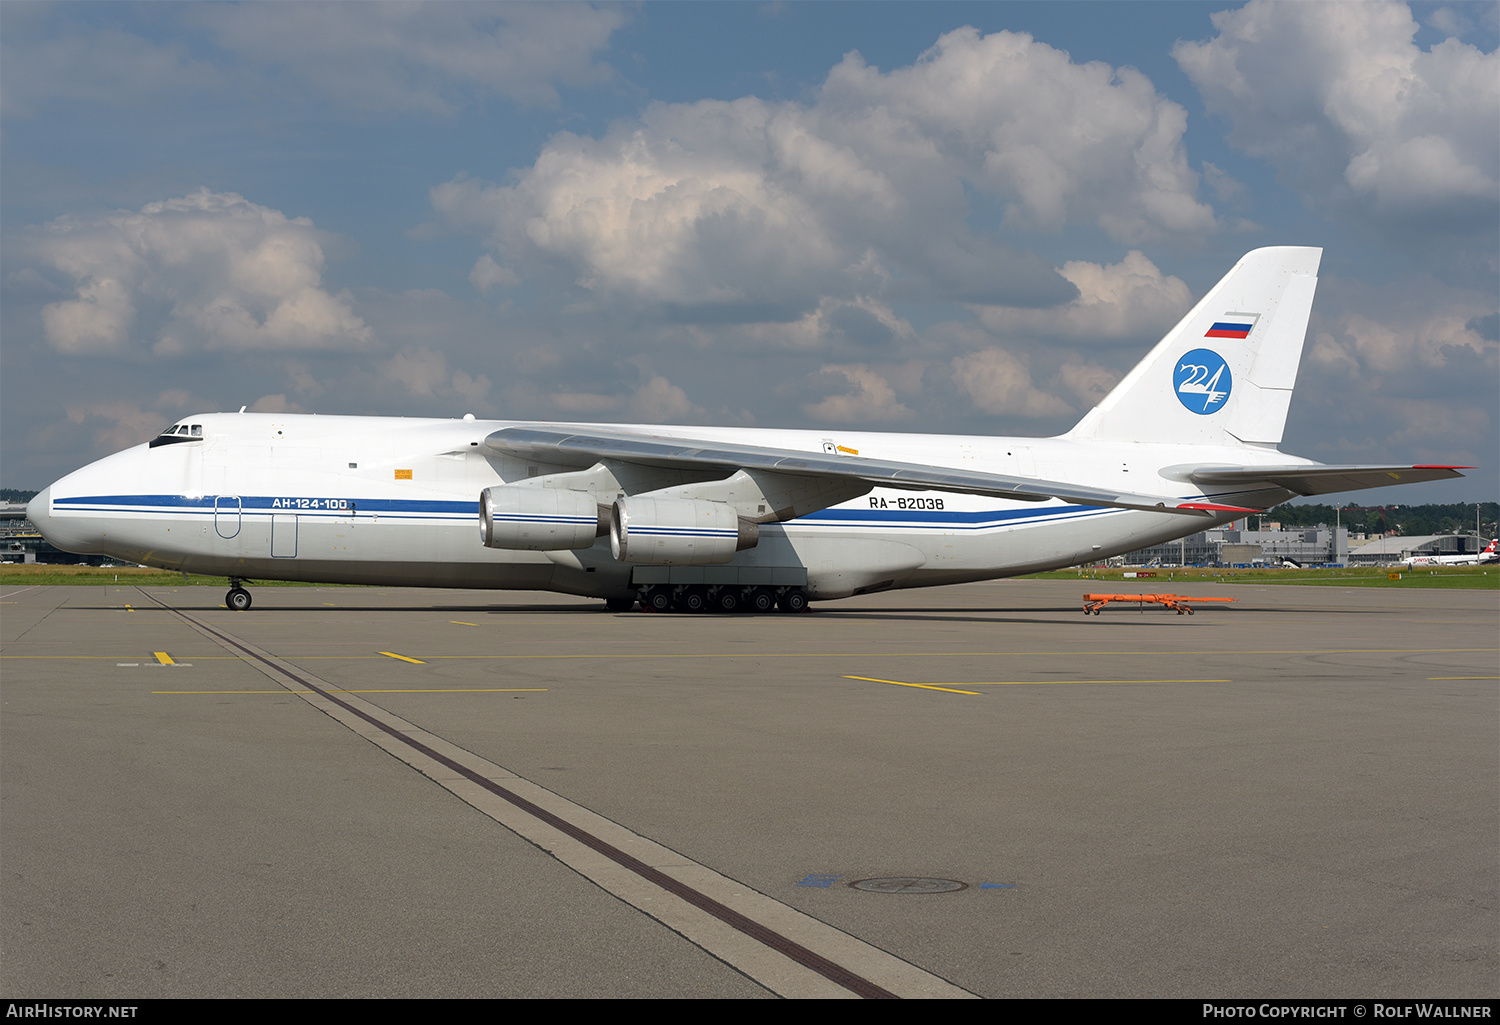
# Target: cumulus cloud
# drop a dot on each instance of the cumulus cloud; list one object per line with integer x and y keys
{"x": 424, "y": 371}
{"x": 1404, "y": 371}
{"x": 113, "y": 424}
{"x": 1058, "y": 141}
{"x": 1088, "y": 383}
{"x": 94, "y": 65}
{"x": 753, "y": 211}
{"x": 231, "y": 275}
{"x": 999, "y": 382}
{"x": 1128, "y": 300}
{"x": 1409, "y": 352}
{"x": 860, "y": 324}
{"x": 425, "y": 57}
{"x": 867, "y": 398}
{"x": 657, "y": 401}
{"x": 386, "y": 57}
{"x": 1341, "y": 100}
{"x": 487, "y": 274}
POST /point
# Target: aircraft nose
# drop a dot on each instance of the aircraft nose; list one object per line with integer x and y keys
{"x": 40, "y": 508}
{"x": 68, "y": 533}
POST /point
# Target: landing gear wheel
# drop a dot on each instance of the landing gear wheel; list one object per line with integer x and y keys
{"x": 694, "y": 599}
{"x": 727, "y": 600}
{"x": 238, "y": 599}
{"x": 761, "y": 600}
{"x": 657, "y": 601}
{"x": 794, "y": 600}
{"x": 619, "y": 604}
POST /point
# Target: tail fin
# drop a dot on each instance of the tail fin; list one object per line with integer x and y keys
{"x": 1224, "y": 374}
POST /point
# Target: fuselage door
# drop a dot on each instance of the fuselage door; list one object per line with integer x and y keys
{"x": 227, "y": 515}
{"x": 283, "y": 536}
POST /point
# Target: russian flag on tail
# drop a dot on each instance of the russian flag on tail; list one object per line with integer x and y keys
{"x": 1228, "y": 329}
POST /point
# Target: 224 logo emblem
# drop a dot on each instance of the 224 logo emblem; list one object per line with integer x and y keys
{"x": 1202, "y": 381}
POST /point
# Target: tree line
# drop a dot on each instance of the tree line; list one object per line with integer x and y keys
{"x": 1451, "y": 518}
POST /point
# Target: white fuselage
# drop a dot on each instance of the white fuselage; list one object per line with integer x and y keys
{"x": 394, "y": 501}
{"x": 1483, "y": 558}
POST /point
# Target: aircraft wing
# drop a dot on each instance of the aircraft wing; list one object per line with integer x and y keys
{"x": 1319, "y": 479}
{"x": 573, "y": 448}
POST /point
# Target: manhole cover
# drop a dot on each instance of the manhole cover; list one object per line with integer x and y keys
{"x": 909, "y": 884}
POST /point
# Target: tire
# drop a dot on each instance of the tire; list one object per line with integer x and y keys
{"x": 238, "y": 599}
{"x": 693, "y": 600}
{"x": 761, "y": 600}
{"x": 658, "y": 601}
{"x": 794, "y": 600}
{"x": 727, "y": 600}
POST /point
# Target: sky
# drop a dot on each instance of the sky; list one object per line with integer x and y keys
{"x": 928, "y": 217}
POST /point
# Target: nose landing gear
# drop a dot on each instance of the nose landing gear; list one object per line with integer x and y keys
{"x": 237, "y": 598}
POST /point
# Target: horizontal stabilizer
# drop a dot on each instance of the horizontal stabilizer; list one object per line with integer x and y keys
{"x": 1312, "y": 479}
{"x": 582, "y": 449}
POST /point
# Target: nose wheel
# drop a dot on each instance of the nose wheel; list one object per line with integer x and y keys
{"x": 238, "y": 599}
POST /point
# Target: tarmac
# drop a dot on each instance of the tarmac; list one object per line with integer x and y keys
{"x": 386, "y": 792}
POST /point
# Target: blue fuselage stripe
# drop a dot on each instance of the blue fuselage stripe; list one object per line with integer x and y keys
{"x": 926, "y": 519}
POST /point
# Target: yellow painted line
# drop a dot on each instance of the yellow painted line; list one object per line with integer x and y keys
{"x": 1032, "y": 683}
{"x": 164, "y": 658}
{"x": 1076, "y": 653}
{"x": 953, "y": 688}
{"x": 404, "y": 658}
{"x": 617, "y": 655}
{"x": 923, "y": 686}
{"x": 129, "y": 609}
{"x": 411, "y": 690}
{"x": 457, "y": 623}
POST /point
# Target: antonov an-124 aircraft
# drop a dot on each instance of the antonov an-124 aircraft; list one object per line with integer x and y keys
{"x": 693, "y": 518}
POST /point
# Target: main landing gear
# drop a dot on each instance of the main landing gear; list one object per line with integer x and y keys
{"x": 724, "y": 599}
{"x": 237, "y": 598}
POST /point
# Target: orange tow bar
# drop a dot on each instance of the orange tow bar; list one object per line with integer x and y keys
{"x": 1095, "y": 602}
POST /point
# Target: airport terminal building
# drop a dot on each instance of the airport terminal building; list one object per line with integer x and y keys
{"x": 1310, "y": 546}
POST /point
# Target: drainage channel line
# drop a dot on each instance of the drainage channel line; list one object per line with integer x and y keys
{"x": 758, "y": 918}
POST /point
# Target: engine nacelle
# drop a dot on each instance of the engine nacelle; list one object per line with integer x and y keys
{"x": 678, "y": 532}
{"x": 533, "y": 519}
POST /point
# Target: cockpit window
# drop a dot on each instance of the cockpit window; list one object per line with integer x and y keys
{"x": 177, "y": 433}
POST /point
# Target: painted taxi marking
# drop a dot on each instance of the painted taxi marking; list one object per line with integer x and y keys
{"x": 164, "y": 658}
{"x": 404, "y": 658}
{"x": 953, "y": 688}
{"x": 393, "y": 690}
{"x": 922, "y": 686}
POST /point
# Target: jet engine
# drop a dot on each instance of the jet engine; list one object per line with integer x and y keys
{"x": 678, "y": 532}
{"x": 533, "y": 519}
